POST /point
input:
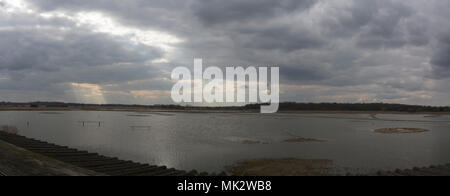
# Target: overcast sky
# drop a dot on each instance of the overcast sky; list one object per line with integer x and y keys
{"x": 123, "y": 51}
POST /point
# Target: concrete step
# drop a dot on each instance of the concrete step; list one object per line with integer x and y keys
{"x": 91, "y": 161}
{"x": 73, "y": 154}
{"x": 96, "y": 164}
{"x": 132, "y": 171}
{"x": 118, "y": 167}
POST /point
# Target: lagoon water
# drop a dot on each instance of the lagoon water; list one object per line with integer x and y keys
{"x": 212, "y": 142}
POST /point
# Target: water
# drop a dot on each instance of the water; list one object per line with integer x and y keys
{"x": 213, "y": 142}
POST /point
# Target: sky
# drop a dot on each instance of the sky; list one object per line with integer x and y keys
{"x": 123, "y": 51}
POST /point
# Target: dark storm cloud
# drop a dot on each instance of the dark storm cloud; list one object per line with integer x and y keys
{"x": 214, "y": 12}
{"x": 441, "y": 57}
{"x": 369, "y": 24}
{"x": 51, "y": 50}
{"x": 297, "y": 74}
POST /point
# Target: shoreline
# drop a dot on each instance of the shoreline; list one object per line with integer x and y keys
{"x": 143, "y": 110}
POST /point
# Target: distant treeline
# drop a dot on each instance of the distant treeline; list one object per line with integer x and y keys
{"x": 354, "y": 107}
{"x": 287, "y": 106}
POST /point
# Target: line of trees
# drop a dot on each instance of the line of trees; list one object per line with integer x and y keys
{"x": 292, "y": 106}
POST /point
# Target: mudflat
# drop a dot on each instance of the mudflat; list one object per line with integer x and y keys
{"x": 401, "y": 130}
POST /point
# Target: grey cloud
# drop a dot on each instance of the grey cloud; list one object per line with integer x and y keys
{"x": 107, "y": 5}
{"x": 213, "y": 12}
{"x": 383, "y": 29}
{"x": 387, "y": 17}
{"x": 417, "y": 31}
{"x": 103, "y": 75}
{"x": 379, "y": 16}
{"x": 109, "y": 74}
{"x": 299, "y": 74}
{"x": 378, "y": 24}
{"x": 142, "y": 85}
{"x": 283, "y": 38}
{"x": 164, "y": 15}
{"x": 408, "y": 84}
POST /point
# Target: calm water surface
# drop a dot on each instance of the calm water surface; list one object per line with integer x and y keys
{"x": 213, "y": 142}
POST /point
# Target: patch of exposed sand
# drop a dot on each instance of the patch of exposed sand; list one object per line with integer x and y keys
{"x": 400, "y": 130}
{"x": 283, "y": 167}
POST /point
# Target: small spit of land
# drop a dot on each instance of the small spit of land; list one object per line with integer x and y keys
{"x": 303, "y": 140}
{"x": 400, "y": 130}
{"x": 292, "y": 140}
